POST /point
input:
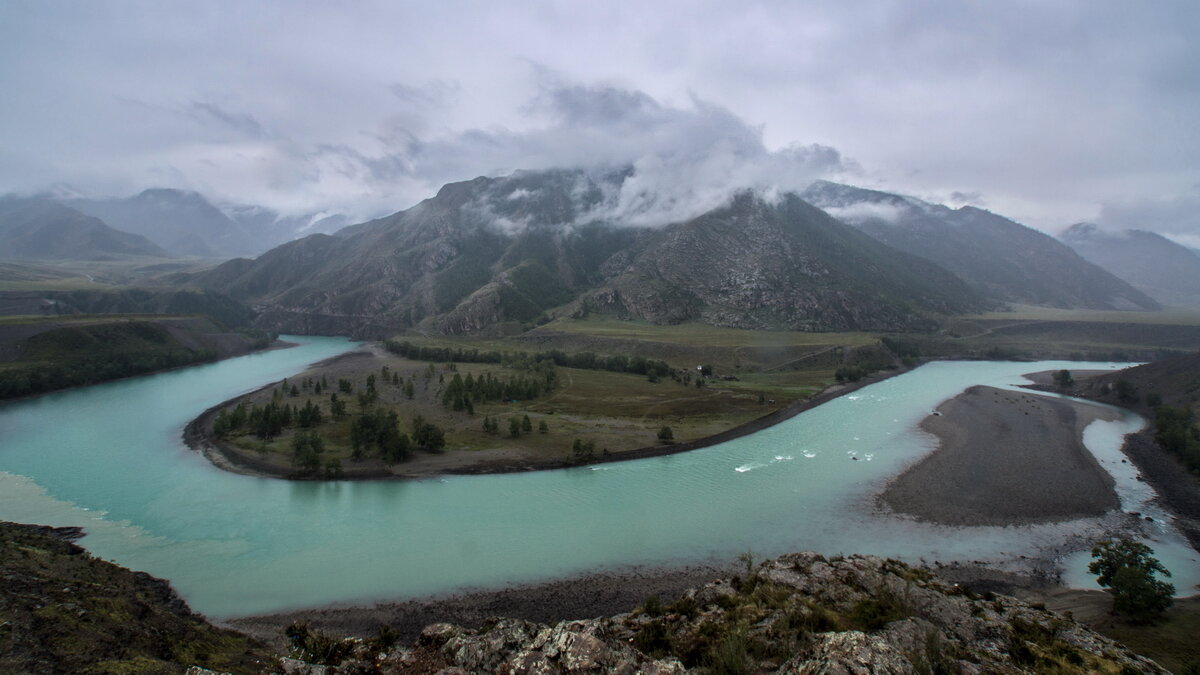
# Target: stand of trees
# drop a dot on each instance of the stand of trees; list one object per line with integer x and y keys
{"x": 1176, "y": 432}
{"x": 40, "y": 378}
{"x": 461, "y": 392}
{"x": 637, "y": 365}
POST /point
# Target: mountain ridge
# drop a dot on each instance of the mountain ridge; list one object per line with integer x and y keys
{"x": 41, "y": 229}
{"x": 491, "y": 252}
{"x": 1166, "y": 271}
{"x": 994, "y": 254}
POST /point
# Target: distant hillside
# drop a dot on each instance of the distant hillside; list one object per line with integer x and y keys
{"x": 222, "y": 308}
{"x": 998, "y": 257}
{"x": 40, "y": 229}
{"x": 266, "y": 228}
{"x": 182, "y": 222}
{"x": 186, "y": 223}
{"x": 48, "y": 353}
{"x": 1173, "y": 381}
{"x": 496, "y": 252}
{"x": 1155, "y": 265}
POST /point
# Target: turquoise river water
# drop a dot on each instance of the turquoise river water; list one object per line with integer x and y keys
{"x": 110, "y": 458}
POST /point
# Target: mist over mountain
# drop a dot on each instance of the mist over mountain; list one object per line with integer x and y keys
{"x": 41, "y": 229}
{"x": 490, "y": 254}
{"x": 186, "y": 223}
{"x": 997, "y": 256}
{"x": 1164, "y": 270}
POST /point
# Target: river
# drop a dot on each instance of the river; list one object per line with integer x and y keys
{"x": 110, "y": 458}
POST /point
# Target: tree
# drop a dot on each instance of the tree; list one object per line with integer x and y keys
{"x": 427, "y": 435}
{"x": 1063, "y": 379}
{"x": 514, "y": 427}
{"x": 543, "y": 427}
{"x": 526, "y": 425}
{"x": 307, "y": 447}
{"x": 1126, "y": 392}
{"x": 1128, "y": 568}
{"x": 665, "y": 435}
{"x": 583, "y": 451}
{"x": 337, "y": 407}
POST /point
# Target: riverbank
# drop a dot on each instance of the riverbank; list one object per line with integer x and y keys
{"x": 228, "y": 351}
{"x": 1005, "y": 458}
{"x": 225, "y": 455}
{"x": 583, "y": 596}
{"x": 1177, "y": 488}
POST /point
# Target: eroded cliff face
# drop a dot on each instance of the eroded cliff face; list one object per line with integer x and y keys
{"x": 800, "y": 613}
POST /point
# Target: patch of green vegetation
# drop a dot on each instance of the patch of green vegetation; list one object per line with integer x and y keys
{"x": 1171, "y": 642}
{"x": 537, "y": 283}
{"x": 700, "y": 334}
{"x": 94, "y": 352}
{"x": 469, "y": 272}
{"x": 65, "y": 611}
{"x": 1176, "y": 431}
{"x": 1035, "y": 313}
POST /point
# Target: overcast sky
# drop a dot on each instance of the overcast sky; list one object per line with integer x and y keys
{"x": 1048, "y": 112}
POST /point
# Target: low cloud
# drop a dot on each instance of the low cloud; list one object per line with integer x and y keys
{"x": 242, "y": 123}
{"x": 864, "y": 211}
{"x": 1177, "y": 215}
{"x": 685, "y": 160}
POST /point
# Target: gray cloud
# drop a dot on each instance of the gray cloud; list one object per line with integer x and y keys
{"x": 432, "y": 94}
{"x": 242, "y": 123}
{"x": 1177, "y": 215}
{"x": 1049, "y": 109}
{"x": 685, "y": 160}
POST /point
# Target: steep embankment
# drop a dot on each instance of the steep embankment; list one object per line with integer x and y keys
{"x": 64, "y": 611}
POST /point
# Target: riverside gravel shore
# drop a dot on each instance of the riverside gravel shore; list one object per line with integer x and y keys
{"x": 1005, "y": 458}
{"x": 590, "y": 595}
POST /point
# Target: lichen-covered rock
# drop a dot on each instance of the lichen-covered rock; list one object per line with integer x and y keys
{"x": 849, "y": 653}
{"x": 800, "y": 613}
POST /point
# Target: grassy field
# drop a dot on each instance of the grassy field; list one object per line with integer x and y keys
{"x": 1172, "y": 317}
{"x": 1171, "y": 642}
{"x": 616, "y": 412}
{"x": 730, "y": 350}
{"x": 73, "y": 275}
{"x": 697, "y": 334}
{"x": 79, "y": 319}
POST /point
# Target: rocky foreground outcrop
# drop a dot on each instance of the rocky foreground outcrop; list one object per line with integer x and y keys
{"x": 800, "y": 613}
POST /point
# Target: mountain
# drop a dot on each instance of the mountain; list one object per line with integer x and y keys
{"x": 186, "y": 223}
{"x": 40, "y": 229}
{"x": 487, "y": 254}
{"x": 266, "y": 228}
{"x": 1151, "y": 263}
{"x": 997, "y": 256}
{"x": 182, "y": 222}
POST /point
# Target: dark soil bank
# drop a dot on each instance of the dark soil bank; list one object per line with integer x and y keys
{"x": 591, "y": 595}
